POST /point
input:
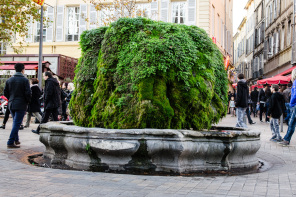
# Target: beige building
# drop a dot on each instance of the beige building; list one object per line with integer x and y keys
{"x": 239, "y": 44}
{"x": 68, "y": 16}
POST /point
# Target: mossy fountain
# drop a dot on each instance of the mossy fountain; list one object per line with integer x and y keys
{"x": 146, "y": 96}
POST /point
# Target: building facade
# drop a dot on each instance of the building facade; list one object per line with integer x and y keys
{"x": 278, "y": 36}
{"x": 61, "y": 36}
{"x": 239, "y": 44}
{"x": 272, "y": 41}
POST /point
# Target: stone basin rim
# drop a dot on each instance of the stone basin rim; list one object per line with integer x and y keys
{"x": 216, "y": 131}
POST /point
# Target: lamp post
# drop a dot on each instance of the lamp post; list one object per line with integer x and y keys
{"x": 40, "y": 50}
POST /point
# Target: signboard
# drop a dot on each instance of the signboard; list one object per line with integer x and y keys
{"x": 214, "y": 40}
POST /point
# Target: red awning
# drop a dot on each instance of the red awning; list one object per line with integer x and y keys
{"x": 11, "y": 67}
{"x": 24, "y": 62}
{"x": 286, "y": 71}
{"x": 275, "y": 80}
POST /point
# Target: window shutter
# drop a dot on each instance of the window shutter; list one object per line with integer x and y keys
{"x": 164, "y": 10}
{"x": 30, "y": 32}
{"x": 265, "y": 49}
{"x": 93, "y": 17}
{"x": 262, "y": 32}
{"x": 154, "y": 10}
{"x": 49, "y": 30}
{"x": 191, "y": 12}
{"x": 59, "y": 24}
{"x": 82, "y": 17}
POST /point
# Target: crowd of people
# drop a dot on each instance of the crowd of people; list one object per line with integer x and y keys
{"x": 25, "y": 97}
{"x": 272, "y": 102}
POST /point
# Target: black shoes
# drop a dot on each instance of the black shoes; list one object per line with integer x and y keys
{"x": 253, "y": 123}
{"x": 35, "y": 131}
{"x": 2, "y": 126}
{"x": 13, "y": 146}
{"x": 21, "y": 127}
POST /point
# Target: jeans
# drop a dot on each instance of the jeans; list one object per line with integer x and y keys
{"x": 29, "y": 115}
{"x": 292, "y": 124}
{"x": 17, "y": 121}
{"x": 288, "y": 109}
{"x": 241, "y": 118}
{"x": 47, "y": 114}
{"x": 275, "y": 129}
{"x": 249, "y": 116}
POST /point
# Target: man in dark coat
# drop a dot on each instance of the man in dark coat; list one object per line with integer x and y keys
{"x": 241, "y": 103}
{"x": 52, "y": 99}
{"x": 17, "y": 91}
{"x": 254, "y": 99}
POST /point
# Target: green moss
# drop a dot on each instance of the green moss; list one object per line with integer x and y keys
{"x": 139, "y": 73}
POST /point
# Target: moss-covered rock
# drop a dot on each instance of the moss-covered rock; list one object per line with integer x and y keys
{"x": 140, "y": 73}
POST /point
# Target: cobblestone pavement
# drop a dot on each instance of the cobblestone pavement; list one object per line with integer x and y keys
{"x": 20, "y": 179}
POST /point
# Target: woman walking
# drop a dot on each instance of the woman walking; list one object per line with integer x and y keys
{"x": 34, "y": 106}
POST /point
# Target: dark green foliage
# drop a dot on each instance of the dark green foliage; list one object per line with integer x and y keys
{"x": 149, "y": 74}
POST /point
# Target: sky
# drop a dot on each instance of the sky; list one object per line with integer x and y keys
{"x": 238, "y": 13}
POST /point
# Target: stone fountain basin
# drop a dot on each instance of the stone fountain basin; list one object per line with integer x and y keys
{"x": 150, "y": 151}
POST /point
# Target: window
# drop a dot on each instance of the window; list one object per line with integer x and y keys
{"x": 73, "y": 24}
{"x": 275, "y": 8}
{"x": 283, "y": 38}
{"x": 276, "y": 44}
{"x": 37, "y": 35}
{"x": 270, "y": 12}
{"x": 267, "y": 18}
{"x": 289, "y": 34}
{"x": 2, "y": 48}
{"x": 178, "y": 12}
{"x": 143, "y": 10}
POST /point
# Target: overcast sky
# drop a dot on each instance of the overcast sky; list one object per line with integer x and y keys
{"x": 238, "y": 13}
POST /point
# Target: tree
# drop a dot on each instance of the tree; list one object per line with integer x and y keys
{"x": 14, "y": 17}
{"x": 113, "y": 10}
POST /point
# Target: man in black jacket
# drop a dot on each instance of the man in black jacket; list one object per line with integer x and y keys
{"x": 254, "y": 99}
{"x": 276, "y": 109}
{"x": 52, "y": 99}
{"x": 241, "y": 103}
{"x": 17, "y": 91}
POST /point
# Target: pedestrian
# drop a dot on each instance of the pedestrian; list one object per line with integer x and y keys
{"x": 232, "y": 106}
{"x": 275, "y": 110}
{"x": 268, "y": 96}
{"x": 68, "y": 99}
{"x": 254, "y": 99}
{"x": 52, "y": 99}
{"x": 241, "y": 101}
{"x": 262, "y": 100}
{"x": 64, "y": 94}
{"x": 34, "y": 106}
{"x": 17, "y": 91}
{"x": 292, "y": 121}
{"x": 287, "y": 96}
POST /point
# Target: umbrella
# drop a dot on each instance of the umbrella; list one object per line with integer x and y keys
{"x": 275, "y": 80}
